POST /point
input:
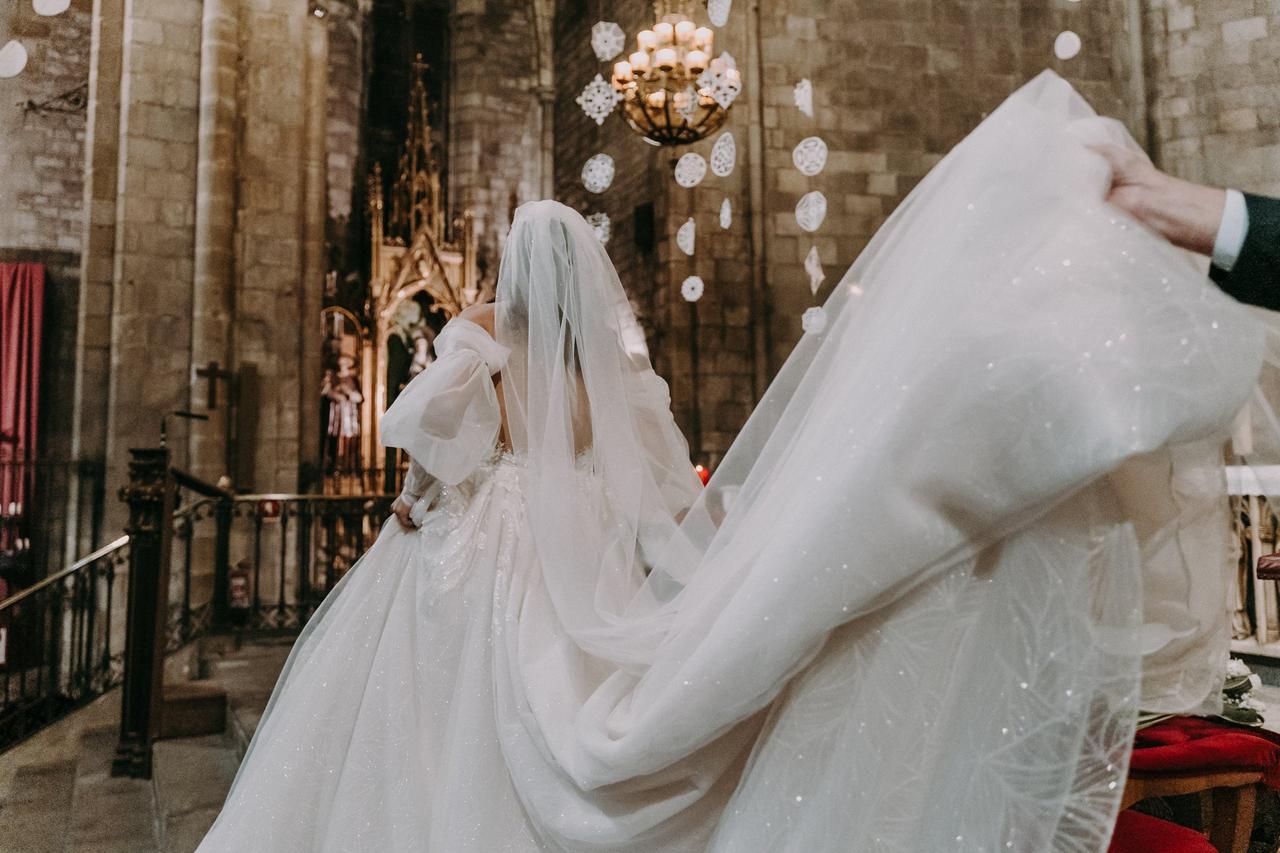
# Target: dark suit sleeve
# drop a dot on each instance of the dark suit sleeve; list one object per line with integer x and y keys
{"x": 1255, "y": 277}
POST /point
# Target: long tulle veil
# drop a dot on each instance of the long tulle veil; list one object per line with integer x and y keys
{"x": 911, "y": 610}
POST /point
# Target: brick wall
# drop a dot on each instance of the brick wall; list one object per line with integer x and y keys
{"x": 42, "y": 154}
{"x": 1214, "y": 89}
{"x": 494, "y": 131}
{"x": 897, "y": 83}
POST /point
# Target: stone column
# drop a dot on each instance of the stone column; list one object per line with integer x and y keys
{"x": 97, "y": 260}
{"x": 314, "y": 255}
{"x": 212, "y": 302}
{"x": 155, "y": 219}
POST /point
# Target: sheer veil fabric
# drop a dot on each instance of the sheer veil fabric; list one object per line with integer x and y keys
{"x": 971, "y": 528}
{"x": 913, "y": 607}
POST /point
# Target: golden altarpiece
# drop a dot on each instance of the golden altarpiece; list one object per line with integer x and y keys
{"x": 414, "y": 249}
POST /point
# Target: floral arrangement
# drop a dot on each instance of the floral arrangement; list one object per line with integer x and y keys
{"x": 1238, "y": 705}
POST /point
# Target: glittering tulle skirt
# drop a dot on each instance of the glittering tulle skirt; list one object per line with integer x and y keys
{"x": 380, "y": 735}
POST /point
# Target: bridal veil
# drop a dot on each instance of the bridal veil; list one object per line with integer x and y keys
{"x": 966, "y": 534}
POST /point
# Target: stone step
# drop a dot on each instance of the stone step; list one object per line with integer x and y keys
{"x": 191, "y": 778}
{"x": 109, "y": 814}
{"x": 34, "y": 817}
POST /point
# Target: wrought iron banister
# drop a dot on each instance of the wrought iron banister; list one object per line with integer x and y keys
{"x": 78, "y": 565}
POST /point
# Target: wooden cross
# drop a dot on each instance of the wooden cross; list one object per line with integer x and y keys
{"x": 212, "y": 372}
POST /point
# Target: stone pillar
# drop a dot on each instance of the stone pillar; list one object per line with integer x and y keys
{"x": 155, "y": 219}
{"x": 314, "y": 255}
{"x": 97, "y": 258}
{"x": 215, "y": 232}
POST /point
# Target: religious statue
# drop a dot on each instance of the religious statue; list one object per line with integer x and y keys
{"x": 342, "y": 389}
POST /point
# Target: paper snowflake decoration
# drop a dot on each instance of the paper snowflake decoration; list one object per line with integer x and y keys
{"x": 602, "y": 227}
{"x": 723, "y": 87}
{"x": 13, "y": 58}
{"x": 811, "y": 210}
{"x": 597, "y": 173}
{"x": 813, "y": 266}
{"x": 1067, "y": 45}
{"x": 692, "y": 288}
{"x": 686, "y": 236}
{"x": 726, "y": 214}
{"x": 687, "y": 107}
{"x": 724, "y": 154}
{"x": 691, "y": 168}
{"x": 810, "y": 156}
{"x": 598, "y": 99}
{"x": 607, "y": 40}
{"x": 804, "y": 97}
{"x": 814, "y": 320}
{"x": 718, "y": 11}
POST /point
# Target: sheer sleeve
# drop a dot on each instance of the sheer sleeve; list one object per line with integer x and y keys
{"x": 447, "y": 418}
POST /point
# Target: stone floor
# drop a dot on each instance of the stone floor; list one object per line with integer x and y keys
{"x": 57, "y": 794}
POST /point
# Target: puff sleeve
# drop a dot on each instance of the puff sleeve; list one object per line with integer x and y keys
{"x": 447, "y": 419}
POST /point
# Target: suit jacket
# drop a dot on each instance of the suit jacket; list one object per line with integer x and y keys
{"x": 1255, "y": 278}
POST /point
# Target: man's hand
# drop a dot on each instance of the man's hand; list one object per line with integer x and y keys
{"x": 1186, "y": 214}
{"x": 401, "y": 511}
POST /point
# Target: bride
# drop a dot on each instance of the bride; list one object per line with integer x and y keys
{"x": 974, "y": 525}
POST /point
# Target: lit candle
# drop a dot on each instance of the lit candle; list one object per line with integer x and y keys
{"x": 666, "y": 32}
{"x": 703, "y": 38}
{"x": 665, "y": 58}
{"x": 657, "y": 99}
{"x": 640, "y": 62}
{"x": 622, "y": 71}
{"x": 717, "y": 66}
{"x": 646, "y": 40}
{"x": 696, "y": 61}
{"x": 684, "y": 31}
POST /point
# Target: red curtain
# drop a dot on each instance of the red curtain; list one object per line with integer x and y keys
{"x": 21, "y": 317}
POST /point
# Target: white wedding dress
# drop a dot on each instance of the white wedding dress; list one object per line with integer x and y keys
{"x": 975, "y": 523}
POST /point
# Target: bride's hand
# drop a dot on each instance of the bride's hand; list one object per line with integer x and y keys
{"x": 401, "y": 510}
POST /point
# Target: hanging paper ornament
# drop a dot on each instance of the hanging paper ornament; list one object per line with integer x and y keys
{"x": 692, "y": 288}
{"x": 598, "y": 99}
{"x": 726, "y": 214}
{"x": 13, "y": 58}
{"x": 811, "y": 210}
{"x": 813, "y": 266}
{"x": 804, "y": 97}
{"x": 49, "y": 8}
{"x": 722, "y": 85}
{"x": 1067, "y": 45}
{"x": 718, "y": 11}
{"x": 724, "y": 154}
{"x": 607, "y": 40}
{"x": 814, "y": 320}
{"x": 601, "y": 225}
{"x": 810, "y": 156}
{"x": 691, "y": 168}
{"x": 686, "y": 236}
{"x": 597, "y": 173}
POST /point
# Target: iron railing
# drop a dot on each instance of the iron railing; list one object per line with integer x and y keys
{"x": 61, "y": 642}
{"x": 248, "y": 564}
{"x": 50, "y": 510}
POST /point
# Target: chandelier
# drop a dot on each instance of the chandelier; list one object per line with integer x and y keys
{"x": 673, "y": 92}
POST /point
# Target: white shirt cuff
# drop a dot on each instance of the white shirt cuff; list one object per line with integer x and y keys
{"x": 1231, "y": 231}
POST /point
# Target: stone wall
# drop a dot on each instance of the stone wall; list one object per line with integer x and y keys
{"x": 1214, "y": 90}
{"x": 897, "y": 83}
{"x": 494, "y": 118}
{"x": 42, "y": 155}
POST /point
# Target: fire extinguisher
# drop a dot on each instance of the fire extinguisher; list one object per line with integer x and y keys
{"x": 239, "y": 595}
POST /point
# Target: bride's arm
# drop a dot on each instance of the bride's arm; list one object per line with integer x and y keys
{"x": 416, "y": 482}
